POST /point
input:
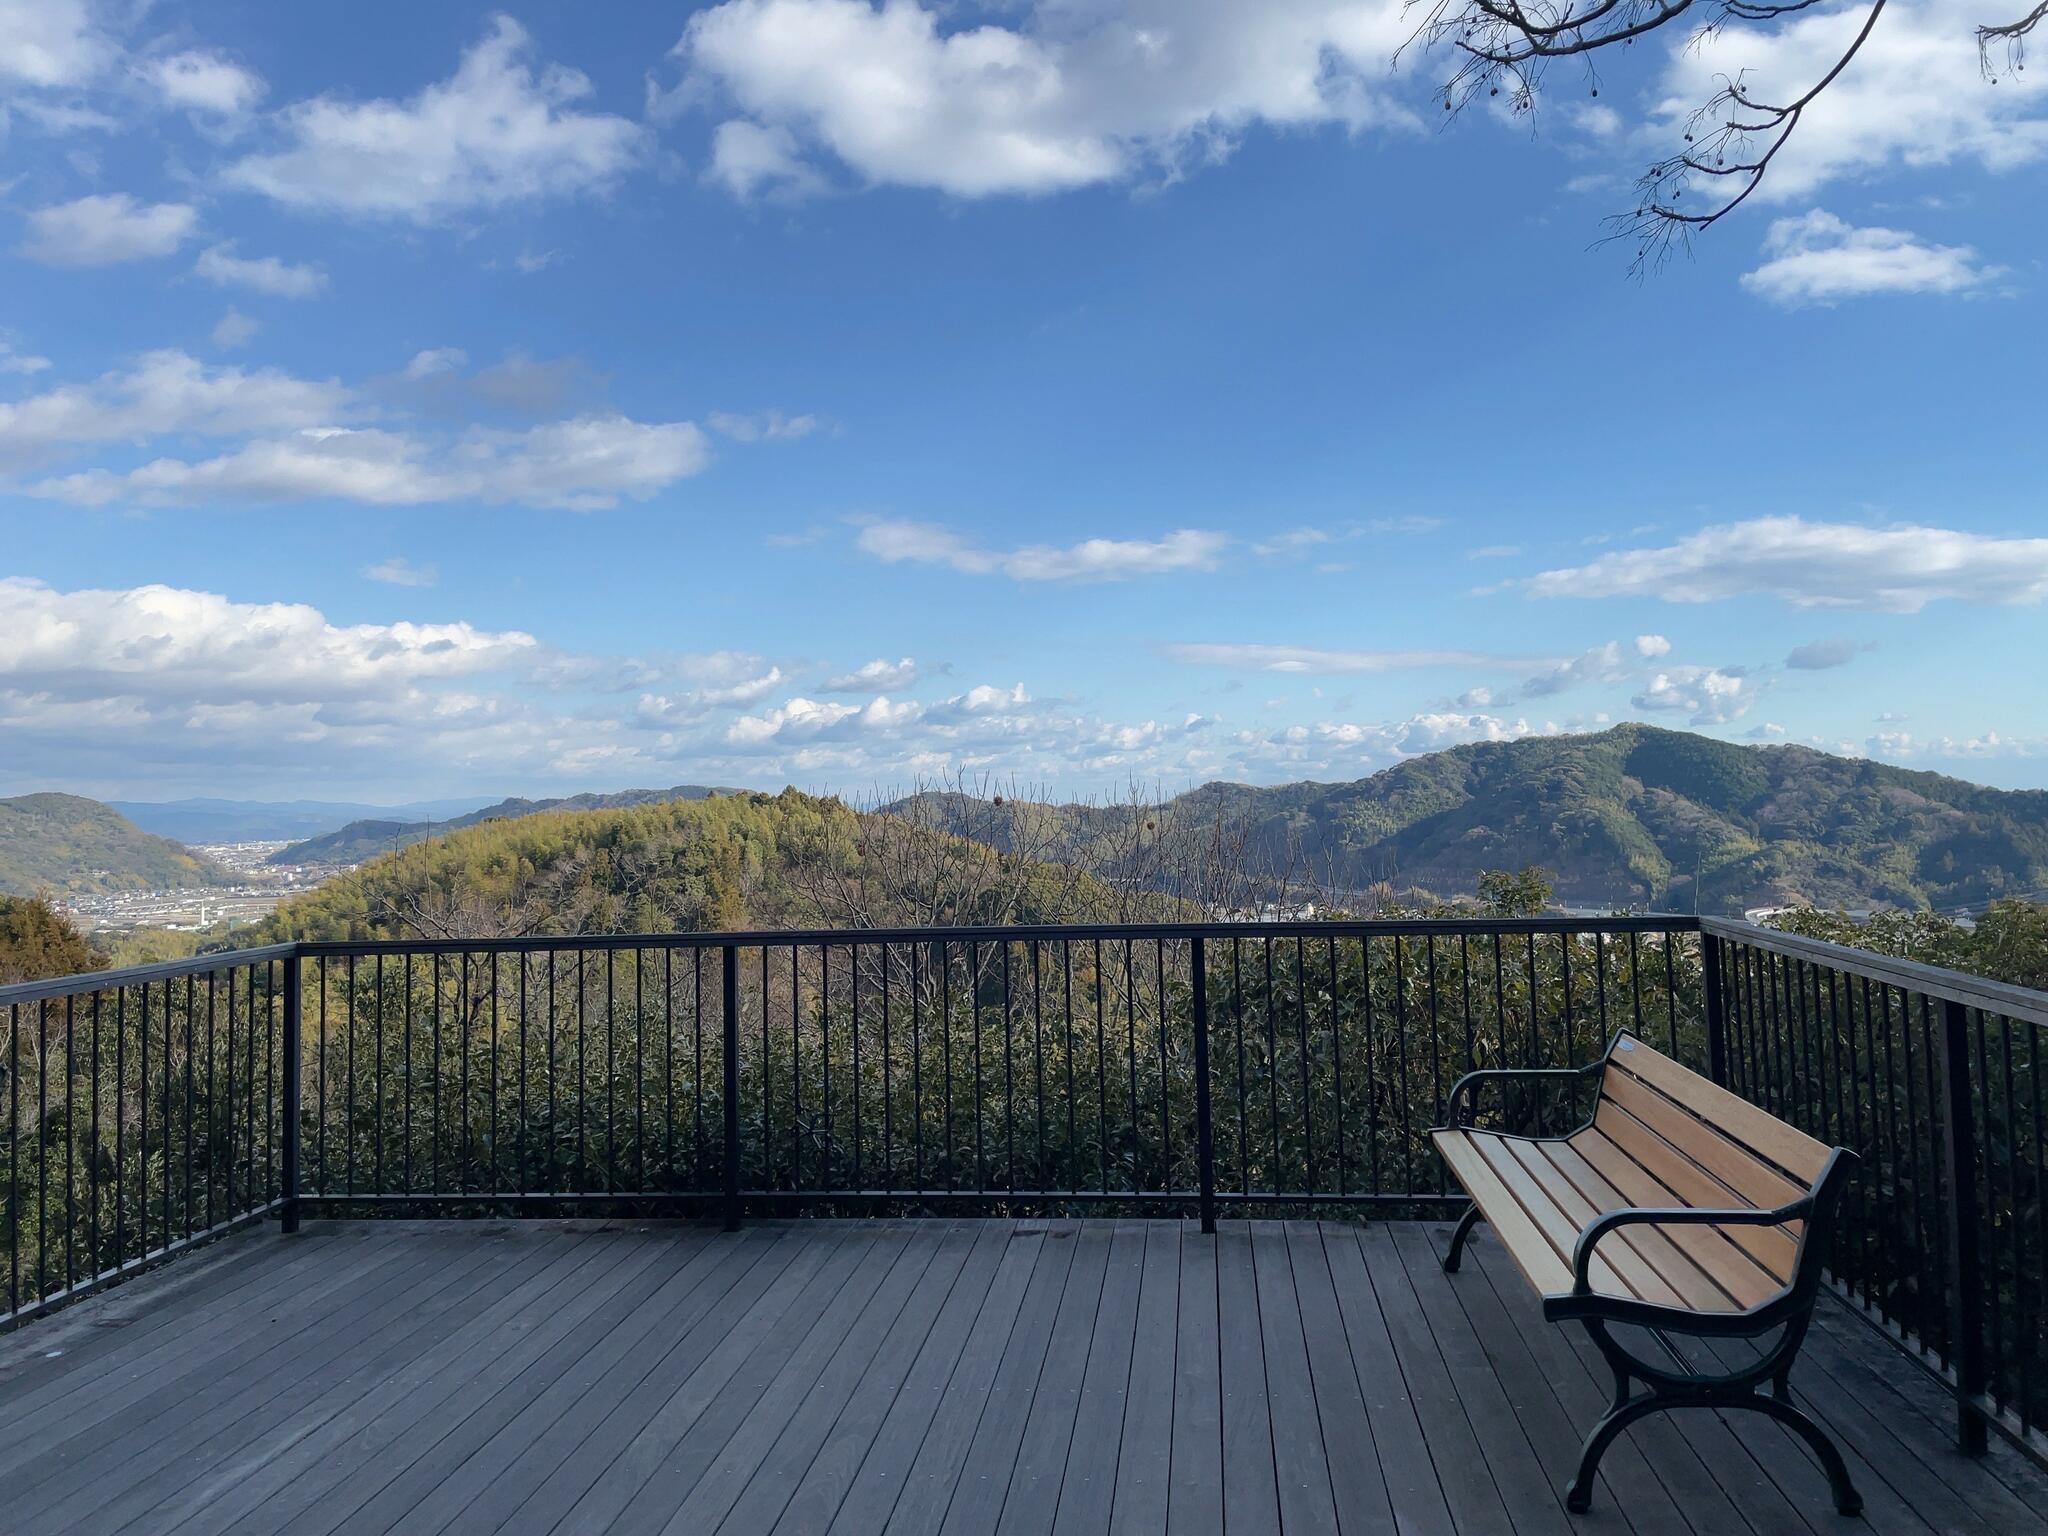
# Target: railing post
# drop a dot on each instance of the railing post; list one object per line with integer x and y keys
{"x": 288, "y": 1212}
{"x": 1717, "y": 1008}
{"x": 1205, "y": 1148}
{"x": 730, "y": 957}
{"x": 1965, "y": 1255}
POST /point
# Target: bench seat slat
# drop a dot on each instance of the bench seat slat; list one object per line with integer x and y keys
{"x": 1531, "y": 1251}
{"x": 1754, "y": 1182}
{"x": 1775, "y": 1248}
{"x": 1666, "y": 1250}
{"x": 1558, "y": 1226}
{"x": 1620, "y": 1251}
{"x": 1761, "y": 1132}
{"x": 1714, "y": 1250}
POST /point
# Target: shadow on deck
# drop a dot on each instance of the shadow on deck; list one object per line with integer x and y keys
{"x": 912, "y": 1376}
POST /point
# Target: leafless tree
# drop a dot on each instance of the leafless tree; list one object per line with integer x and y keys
{"x": 1506, "y": 48}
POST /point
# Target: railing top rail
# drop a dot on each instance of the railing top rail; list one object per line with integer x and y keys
{"x": 783, "y": 938}
{"x": 137, "y": 975}
{"x": 778, "y": 938}
{"x": 1996, "y": 997}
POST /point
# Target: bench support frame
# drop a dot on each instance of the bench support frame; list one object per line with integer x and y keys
{"x": 1740, "y": 1388}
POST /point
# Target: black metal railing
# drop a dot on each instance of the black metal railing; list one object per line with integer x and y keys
{"x": 145, "y": 1112}
{"x": 1197, "y": 1068}
{"x": 1057, "y": 1065}
{"x": 1934, "y": 1078}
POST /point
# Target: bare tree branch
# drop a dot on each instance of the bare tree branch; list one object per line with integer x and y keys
{"x": 1508, "y": 47}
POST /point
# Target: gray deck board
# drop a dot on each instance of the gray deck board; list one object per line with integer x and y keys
{"x": 979, "y": 1377}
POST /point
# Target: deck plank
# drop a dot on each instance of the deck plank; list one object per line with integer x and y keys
{"x": 802, "y": 1490}
{"x": 976, "y": 1377}
{"x": 1301, "y": 1467}
{"x": 1088, "y": 1482}
{"x": 1195, "y": 1501}
{"x": 1144, "y": 1467}
{"x": 965, "y": 1342}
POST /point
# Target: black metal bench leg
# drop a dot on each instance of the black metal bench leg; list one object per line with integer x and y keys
{"x": 1466, "y": 1223}
{"x": 1847, "y": 1499}
{"x": 1578, "y": 1498}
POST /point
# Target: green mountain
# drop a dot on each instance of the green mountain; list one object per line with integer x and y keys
{"x": 1631, "y": 816}
{"x": 365, "y": 839}
{"x": 725, "y": 862}
{"x": 69, "y": 844}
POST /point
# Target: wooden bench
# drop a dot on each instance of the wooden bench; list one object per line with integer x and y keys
{"x": 1678, "y": 1207}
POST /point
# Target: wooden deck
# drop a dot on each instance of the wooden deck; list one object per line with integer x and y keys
{"x": 928, "y": 1376}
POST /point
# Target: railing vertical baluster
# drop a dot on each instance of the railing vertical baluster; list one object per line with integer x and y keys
{"x": 946, "y": 1052}
{"x": 71, "y": 1143}
{"x": 92, "y": 1184}
{"x": 1717, "y": 1017}
{"x": 120, "y": 1126}
{"x": 889, "y": 1095}
{"x": 1965, "y": 1252}
{"x": 288, "y": 1215}
{"x": 14, "y": 1160}
{"x": 1205, "y": 1158}
{"x": 729, "y": 960}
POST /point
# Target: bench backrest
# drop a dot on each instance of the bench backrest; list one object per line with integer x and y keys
{"x": 1711, "y": 1146}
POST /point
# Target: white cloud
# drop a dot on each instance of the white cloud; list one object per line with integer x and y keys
{"x": 1819, "y": 655}
{"x": 1071, "y": 96}
{"x": 234, "y": 329}
{"x": 724, "y": 679}
{"x": 164, "y": 392}
{"x": 1818, "y": 259}
{"x": 1652, "y": 645}
{"x": 263, "y": 274}
{"x": 1185, "y": 549}
{"x": 50, "y": 43}
{"x": 205, "y": 82}
{"x": 298, "y": 443}
{"x": 12, "y": 361}
{"x": 401, "y": 572}
{"x": 585, "y": 464}
{"x": 1708, "y": 695}
{"x": 1313, "y": 659}
{"x": 1606, "y": 664}
{"x": 762, "y": 426}
{"x": 878, "y": 676}
{"x": 433, "y": 360}
{"x": 499, "y": 131}
{"x": 1904, "y": 746}
{"x": 1810, "y": 564}
{"x": 747, "y": 158}
{"x": 106, "y": 228}
{"x": 1914, "y": 96}
{"x": 1350, "y": 747}
{"x": 165, "y": 641}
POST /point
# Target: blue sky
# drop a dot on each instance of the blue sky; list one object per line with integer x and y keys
{"x": 401, "y": 401}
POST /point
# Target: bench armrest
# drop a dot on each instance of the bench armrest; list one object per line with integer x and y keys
{"x": 1459, "y": 1106}
{"x": 1672, "y": 1216}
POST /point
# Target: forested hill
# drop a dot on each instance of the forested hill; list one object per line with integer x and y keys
{"x": 361, "y": 840}
{"x": 1624, "y": 817}
{"x": 72, "y": 845}
{"x": 725, "y": 862}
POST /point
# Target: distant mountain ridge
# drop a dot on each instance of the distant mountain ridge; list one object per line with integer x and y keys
{"x": 75, "y": 846}
{"x": 208, "y": 819}
{"x": 1633, "y": 816}
{"x": 366, "y": 839}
